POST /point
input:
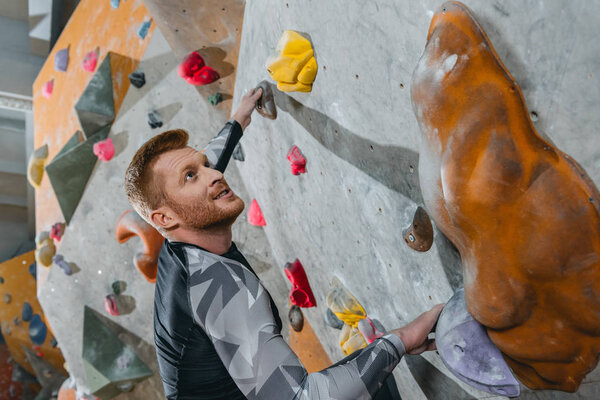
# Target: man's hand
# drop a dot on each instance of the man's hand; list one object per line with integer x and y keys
{"x": 414, "y": 335}
{"x": 244, "y": 110}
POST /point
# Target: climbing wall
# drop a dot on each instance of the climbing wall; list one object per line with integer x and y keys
{"x": 344, "y": 218}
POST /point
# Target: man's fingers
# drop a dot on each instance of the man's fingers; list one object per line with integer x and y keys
{"x": 429, "y": 318}
{"x": 255, "y": 94}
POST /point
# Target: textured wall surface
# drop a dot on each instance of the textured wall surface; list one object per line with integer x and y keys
{"x": 358, "y": 132}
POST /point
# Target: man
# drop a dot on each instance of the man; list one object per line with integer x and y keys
{"x": 217, "y": 330}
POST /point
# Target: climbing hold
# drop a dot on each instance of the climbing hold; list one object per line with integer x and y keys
{"x": 301, "y": 294}
{"x": 114, "y": 4}
{"x": 295, "y": 67}
{"x": 59, "y": 260}
{"x": 7, "y": 298}
{"x": 35, "y": 167}
{"x": 26, "y": 312}
{"x": 344, "y": 305}
{"x": 100, "y": 351}
{"x": 104, "y": 149}
{"x": 90, "y": 60}
{"x": 255, "y": 215}
{"x": 238, "y": 153}
{"x": 33, "y": 270}
{"x": 1, "y": 280}
{"x": 215, "y": 99}
{"x": 296, "y": 318}
{"x": 137, "y": 79}
{"x": 154, "y": 120}
{"x": 332, "y": 320}
{"x": 17, "y": 321}
{"x": 118, "y": 287}
{"x": 45, "y": 249}
{"x": 53, "y": 343}
{"x": 297, "y": 160}
{"x": 144, "y": 28}
{"x": 48, "y": 88}
{"x": 110, "y": 304}
{"x": 124, "y": 361}
{"x": 37, "y": 330}
{"x": 351, "y": 340}
{"x": 61, "y": 60}
{"x": 368, "y": 330}
{"x": 467, "y": 351}
{"x": 130, "y": 224}
{"x": 47, "y": 375}
{"x": 195, "y": 72}
{"x": 266, "y": 104}
{"x": 57, "y": 231}
{"x": 419, "y": 235}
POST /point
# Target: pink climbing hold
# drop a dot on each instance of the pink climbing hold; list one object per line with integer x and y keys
{"x": 301, "y": 294}
{"x": 57, "y": 231}
{"x": 297, "y": 160}
{"x": 48, "y": 88}
{"x": 110, "y": 304}
{"x": 368, "y": 330}
{"x": 104, "y": 149}
{"x": 195, "y": 72}
{"x": 255, "y": 215}
{"x": 90, "y": 60}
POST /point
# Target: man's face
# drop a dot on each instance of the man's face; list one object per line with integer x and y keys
{"x": 198, "y": 195}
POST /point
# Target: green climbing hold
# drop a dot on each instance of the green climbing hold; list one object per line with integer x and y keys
{"x": 215, "y": 99}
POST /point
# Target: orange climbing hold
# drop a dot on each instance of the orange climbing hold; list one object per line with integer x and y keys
{"x": 130, "y": 224}
{"x": 524, "y": 216}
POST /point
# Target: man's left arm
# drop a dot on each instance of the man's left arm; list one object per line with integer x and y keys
{"x": 221, "y": 147}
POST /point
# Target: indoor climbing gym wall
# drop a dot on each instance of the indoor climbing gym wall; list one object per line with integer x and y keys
{"x": 403, "y": 154}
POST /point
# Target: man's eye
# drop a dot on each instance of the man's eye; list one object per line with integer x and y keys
{"x": 189, "y": 175}
{"x": 207, "y": 164}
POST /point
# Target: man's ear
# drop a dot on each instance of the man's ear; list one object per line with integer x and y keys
{"x": 164, "y": 217}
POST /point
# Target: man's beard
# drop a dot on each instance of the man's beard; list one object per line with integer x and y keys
{"x": 197, "y": 216}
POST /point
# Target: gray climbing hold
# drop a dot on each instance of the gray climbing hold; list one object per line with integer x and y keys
{"x": 154, "y": 120}
{"x": 332, "y": 320}
{"x": 238, "y": 153}
{"x": 61, "y": 60}
{"x": 296, "y": 318}
{"x": 215, "y": 99}
{"x": 118, "y": 287}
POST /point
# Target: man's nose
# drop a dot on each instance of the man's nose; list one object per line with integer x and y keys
{"x": 215, "y": 176}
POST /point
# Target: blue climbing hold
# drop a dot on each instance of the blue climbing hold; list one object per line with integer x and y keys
{"x": 27, "y": 312}
{"x": 37, "y": 330}
{"x": 33, "y": 270}
{"x": 114, "y": 4}
{"x": 1, "y": 279}
{"x": 144, "y": 28}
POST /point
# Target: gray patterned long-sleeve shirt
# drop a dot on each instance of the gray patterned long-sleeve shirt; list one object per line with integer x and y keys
{"x": 226, "y": 305}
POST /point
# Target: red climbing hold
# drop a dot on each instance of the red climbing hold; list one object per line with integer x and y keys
{"x": 255, "y": 215}
{"x": 110, "y": 304}
{"x": 195, "y": 72}
{"x": 57, "y": 231}
{"x": 90, "y": 60}
{"x": 104, "y": 149}
{"x": 297, "y": 160}
{"x": 47, "y": 88}
{"x": 301, "y": 293}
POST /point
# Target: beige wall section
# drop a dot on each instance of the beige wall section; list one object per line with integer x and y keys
{"x": 14, "y": 9}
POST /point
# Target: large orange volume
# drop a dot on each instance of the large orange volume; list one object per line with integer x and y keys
{"x": 523, "y": 215}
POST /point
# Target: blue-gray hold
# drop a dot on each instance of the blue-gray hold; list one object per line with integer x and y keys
{"x": 466, "y": 349}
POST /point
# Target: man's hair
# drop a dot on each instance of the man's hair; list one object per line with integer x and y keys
{"x": 144, "y": 190}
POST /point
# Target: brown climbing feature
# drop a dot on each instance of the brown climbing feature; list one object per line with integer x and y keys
{"x": 266, "y": 104}
{"x": 146, "y": 261}
{"x": 419, "y": 235}
{"x": 523, "y": 215}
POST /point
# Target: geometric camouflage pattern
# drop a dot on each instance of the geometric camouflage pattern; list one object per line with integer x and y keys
{"x": 233, "y": 308}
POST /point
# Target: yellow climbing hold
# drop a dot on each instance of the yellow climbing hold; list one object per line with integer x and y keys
{"x": 351, "y": 340}
{"x": 344, "y": 305}
{"x": 35, "y": 168}
{"x": 45, "y": 249}
{"x": 295, "y": 67}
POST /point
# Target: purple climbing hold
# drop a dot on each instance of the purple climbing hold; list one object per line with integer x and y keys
{"x": 27, "y": 312}
{"x": 144, "y": 28}
{"x": 466, "y": 349}
{"x": 37, "y": 330}
{"x": 61, "y": 60}
{"x": 59, "y": 260}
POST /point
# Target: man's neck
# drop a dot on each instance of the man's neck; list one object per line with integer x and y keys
{"x": 215, "y": 240}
